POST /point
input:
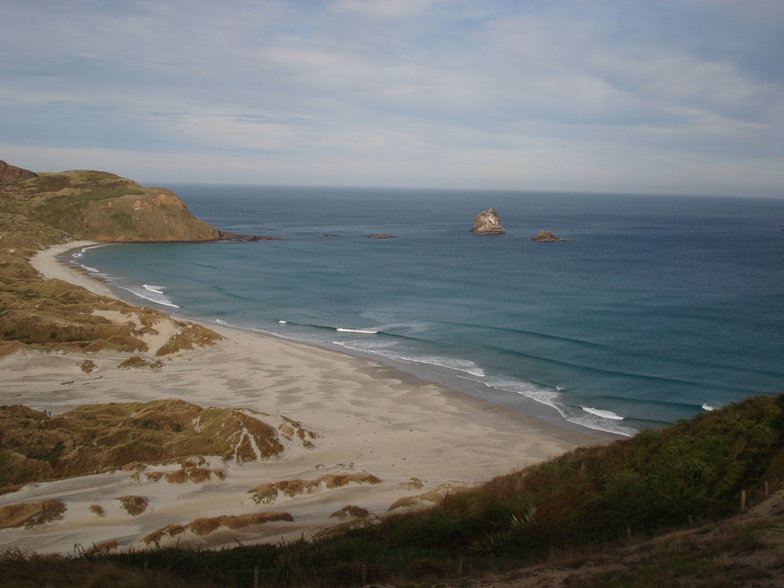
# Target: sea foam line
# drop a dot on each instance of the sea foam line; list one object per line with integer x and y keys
{"x": 383, "y": 349}
{"x": 362, "y": 331}
{"x": 605, "y": 414}
{"x": 146, "y": 295}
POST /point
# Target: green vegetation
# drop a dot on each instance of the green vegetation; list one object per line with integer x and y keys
{"x": 571, "y": 509}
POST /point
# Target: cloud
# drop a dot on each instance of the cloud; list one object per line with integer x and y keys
{"x": 443, "y": 91}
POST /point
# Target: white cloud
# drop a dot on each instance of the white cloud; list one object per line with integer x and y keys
{"x": 392, "y": 91}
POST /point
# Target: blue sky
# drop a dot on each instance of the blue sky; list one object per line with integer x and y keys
{"x": 677, "y": 97}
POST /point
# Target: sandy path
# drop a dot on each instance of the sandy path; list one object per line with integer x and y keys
{"x": 369, "y": 418}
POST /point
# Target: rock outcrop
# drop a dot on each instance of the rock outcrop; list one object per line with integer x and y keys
{"x": 11, "y": 173}
{"x": 488, "y": 223}
{"x": 546, "y": 237}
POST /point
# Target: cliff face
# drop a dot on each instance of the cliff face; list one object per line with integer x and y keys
{"x": 100, "y": 206}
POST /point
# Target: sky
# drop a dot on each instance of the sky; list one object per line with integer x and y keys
{"x": 633, "y": 96}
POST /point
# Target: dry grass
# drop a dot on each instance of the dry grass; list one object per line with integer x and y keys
{"x": 87, "y": 366}
{"x": 101, "y": 437}
{"x": 267, "y": 493}
{"x": 431, "y": 496}
{"x": 193, "y": 474}
{"x": 190, "y": 337}
{"x": 30, "y": 514}
{"x": 103, "y": 547}
{"x": 134, "y": 505}
{"x": 133, "y": 362}
{"x": 167, "y": 531}
{"x": 352, "y": 511}
{"x": 205, "y": 526}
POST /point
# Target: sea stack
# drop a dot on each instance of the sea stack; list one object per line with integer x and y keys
{"x": 546, "y": 237}
{"x": 488, "y": 223}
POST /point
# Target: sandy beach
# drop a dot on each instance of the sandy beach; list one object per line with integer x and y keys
{"x": 415, "y": 436}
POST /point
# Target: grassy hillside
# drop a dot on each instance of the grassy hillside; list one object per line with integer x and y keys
{"x": 37, "y": 212}
{"x": 580, "y": 510}
{"x": 101, "y": 206}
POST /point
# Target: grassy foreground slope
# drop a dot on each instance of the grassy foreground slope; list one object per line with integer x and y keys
{"x": 40, "y": 211}
{"x": 648, "y": 511}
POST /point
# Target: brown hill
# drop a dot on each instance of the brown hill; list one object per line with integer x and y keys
{"x": 101, "y": 206}
{"x": 11, "y": 173}
{"x": 37, "y": 212}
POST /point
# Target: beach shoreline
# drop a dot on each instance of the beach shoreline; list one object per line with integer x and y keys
{"x": 416, "y": 436}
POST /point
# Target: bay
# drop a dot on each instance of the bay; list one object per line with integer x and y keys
{"x": 661, "y": 307}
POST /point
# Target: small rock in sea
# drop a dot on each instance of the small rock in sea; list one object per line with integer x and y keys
{"x": 382, "y": 236}
{"x": 488, "y": 223}
{"x": 546, "y": 237}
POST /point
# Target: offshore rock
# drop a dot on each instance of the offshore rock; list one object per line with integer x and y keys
{"x": 546, "y": 237}
{"x": 488, "y": 223}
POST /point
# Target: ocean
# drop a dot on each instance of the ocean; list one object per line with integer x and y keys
{"x": 661, "y": 307}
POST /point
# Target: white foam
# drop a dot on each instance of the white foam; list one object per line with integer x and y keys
{"x": 151, "y": 296}
{"x": 362, "y": 331}
{"x": 154, "y": 289}
{"x": 283, "y": 322}
{"x": 220, "y": 322}
{"x": 385, "y": 349}
{"x": 92, "y": 270}
{"x": 602, "y": 424}
{"x": 539, "y": 394}
{"x": 708, "y": 407}
{"x": 605, "y": 414}
{"x": 79, "y": 253}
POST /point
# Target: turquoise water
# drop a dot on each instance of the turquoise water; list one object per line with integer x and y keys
{"x": 660, "y": 308}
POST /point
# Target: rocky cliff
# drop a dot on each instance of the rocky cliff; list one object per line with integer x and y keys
{"x": 488, "y": 223}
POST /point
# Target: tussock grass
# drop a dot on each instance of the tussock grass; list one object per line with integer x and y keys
{"x": 207, "y": 525}
{"x": 133, "y": 505}
{"x": 35, "y": 447}
{"x": 267, "y": 493}
{"x": 30, "y": 514}
{"x": 356, "y": 512}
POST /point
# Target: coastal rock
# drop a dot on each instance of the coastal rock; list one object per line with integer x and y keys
{"x": 546, "y": 237}
{"x": 488, "y": 223}
{"x": 11, "y": 173}
{"x": 229, "y": 236}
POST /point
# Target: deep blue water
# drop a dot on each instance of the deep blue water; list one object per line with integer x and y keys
{"x": 661, "y": 306}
